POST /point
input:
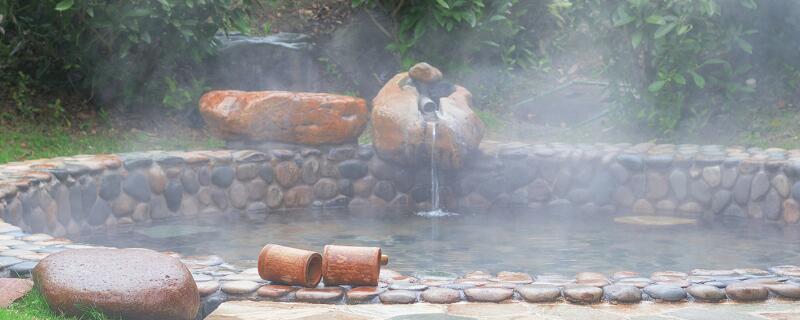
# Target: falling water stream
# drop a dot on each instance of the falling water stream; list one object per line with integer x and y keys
{"x": 436, "y": 212}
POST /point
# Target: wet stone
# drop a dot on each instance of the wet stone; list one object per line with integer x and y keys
{"x": 6, "y": 261}
{"x": 385, "y": 190}
{"x": 320, "y": 295}
{"x": 741, "y": 190}
{"x": 484, "y": 294}
{"x": 398, "y": 297}
{"x": 222, "y": 176}
{"x": 287, "y": 173}
{"x": 341, "y": 153}
{"x": 747, "y": 292}
{"x": 700, "y": 191}
{"x": 353, "y": 169}
{"x": 622, "y": 294}
{"x": 441, "y": 295}
{"x": 631, "y": 161}
{"x": 781, "y": 184}
{"x": 712, "y": 175}
{"x": 247, "y": 171}
{"x": 582, "y": 294}
{"x": 110, "y": 187}
{"x": 720, "y": 200}
{"x": 669, "y": 293}
{"x": 707, "y": 293}
{"x": 99, "y": 213}
{"x": 759, "y": 187}
{"x": 204, "y": 176}
{"x": 173, "y": 195}
{"x": 240, "y": 287}
{"x": 283, "y": 154}
{"x": 539, "y": 293}
{"x": 325, "y": 189}
{"x": 363, "y": 294}
{"x": 238, "y": 195}
{"x": 274, "y": 196}
{"x": 785, "y": 290}
{"x": 136, "y": 186}
{"x": 273, "y": 291}
{"x": 207, "y": 287}
{"x": 791, "y": 211}
{"x": 407, "y": 286}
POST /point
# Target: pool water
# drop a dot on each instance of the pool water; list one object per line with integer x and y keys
{"x": 534, "y": 241}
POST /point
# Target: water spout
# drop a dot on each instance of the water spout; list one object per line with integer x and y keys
{"x": 429, "y": 109}
{"x": 435, "y": 211}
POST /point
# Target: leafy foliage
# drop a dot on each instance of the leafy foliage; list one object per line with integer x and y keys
{"x": 130, "y": 53}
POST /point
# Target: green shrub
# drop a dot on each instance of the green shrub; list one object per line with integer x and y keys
{"x": 114, "y": 51}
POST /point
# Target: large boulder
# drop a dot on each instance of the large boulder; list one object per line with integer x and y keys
{"x": 287, "y": 117}
{"x": 127, "y": 283}
{"x": 401, "y": 133}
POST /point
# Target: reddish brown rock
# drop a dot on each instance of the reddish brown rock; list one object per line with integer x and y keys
{"x": 129, "y": 283}
{"x": 290, "y": 117}
{"x": 275, "y": 291}
{"x": 13, "y": 289}
{"x": 425, "y": 72}
{"x": 401, "y": 135}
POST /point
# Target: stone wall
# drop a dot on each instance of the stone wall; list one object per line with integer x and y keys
{"x": 67, "y": 195}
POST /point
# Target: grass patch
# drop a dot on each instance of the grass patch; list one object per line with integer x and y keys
{"x": 33, "y": 307}
{"x": 25, "y": 141}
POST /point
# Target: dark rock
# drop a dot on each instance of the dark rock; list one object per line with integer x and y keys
{"x": 707, "y": 293}
{"x": 110, "y": 187}
{"x": 365, "y": 152}
{"x": 441, "y": 295}
{"x": 345, "y": 187}
{"x": 283, "y": 154}
{"x": 247, "y": 171}
{"x": 582, "y": 294}
{"x": 746, "y": 292}
{"x": 173, "y": 194}
{"x": 729, "y": 177}
{"x": 204, "y": 176}
{"x": 398, "y": 297}
{"x": 385, "y": 190}
{"x": 99, "y": 213}
{"x": 189, "y": 181}
{"x": 107, "y": 280}
{"x": 772, "y": 205}
{"x": 741, "y": 190}
{"x": 760, "y": 186}
{"x": 237, "y": 194}
{"x": 539, "y": 293}
{"x": 353, "y": 169}
{"x": 619, "y": 172}
{"x": 631, "y": 161}
{"x": 220, "y": 199}
{"x": 320, "y": 295}
{"x": 88, "y": 192}
{"x": 266, "y": 173}
{"x": 669, "y": 293}
{"x": 136, "y": 186}
{"x": 720, "y": 201}
{"x": 135, "y": 161}
{"x": 309, "y": 172}
{"x": 700, "y": 191}
{"x": 796, "y": 191}
{"x": 342, "y": 153}
{"x": 622, "y": 294}
{"x": 274, "y": 196}
{"x": 222, "y": 176}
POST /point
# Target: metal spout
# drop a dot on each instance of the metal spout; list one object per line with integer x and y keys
{"x": 428, "y": 108}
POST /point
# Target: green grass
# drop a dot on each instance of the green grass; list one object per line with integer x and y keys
{"x": 33, "y": 307}
{"x": 25, "y": 141}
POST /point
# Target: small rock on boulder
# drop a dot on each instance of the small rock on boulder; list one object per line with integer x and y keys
{"x": 288, "y": 117}
{"x": 127, "y": 283}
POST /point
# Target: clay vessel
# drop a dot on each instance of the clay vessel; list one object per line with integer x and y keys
{"x": 354, "y": 266}
{"x": 285, "y": 265}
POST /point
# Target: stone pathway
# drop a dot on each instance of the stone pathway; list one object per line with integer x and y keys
{"x": 257, "y": 310}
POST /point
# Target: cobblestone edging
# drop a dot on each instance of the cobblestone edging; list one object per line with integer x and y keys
{"x": 67, "y": 195}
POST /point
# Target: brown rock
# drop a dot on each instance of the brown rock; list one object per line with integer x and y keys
{"x": 287, "y": 173}
{"x": 131, "y": 283}
{"x": 791, "y": 211}
{"x": 513, "y": 277}
{"x": 298, "y": 197}
{"x": 13, "y": 289}
{"x": 320, "y": 295}
{"x": 302, "y": 118}
{"x": 401, "y": 135}
{"x": 275, "y": 291}
{"x": 488, "y": 294}
{"x": 363, "y": 294}
{"x": 747, "y": 292}
{"x": 424, "y": 72}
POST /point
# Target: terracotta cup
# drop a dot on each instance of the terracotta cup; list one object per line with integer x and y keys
{"x": 290, "y": 266}
{"x": 354, "y": 266}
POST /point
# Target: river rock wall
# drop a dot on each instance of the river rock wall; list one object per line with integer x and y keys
{"x": 68, "y": 195}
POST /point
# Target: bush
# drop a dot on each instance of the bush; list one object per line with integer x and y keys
{"x": 129, "y": 53}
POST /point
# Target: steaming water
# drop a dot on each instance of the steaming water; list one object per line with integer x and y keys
{"x": 561, "y": 241}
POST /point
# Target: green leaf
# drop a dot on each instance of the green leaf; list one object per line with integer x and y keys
{"x": 663, "y": 30}
{"x": 655, "y": 19}
{"x": 699, "y": 81}
{"x": 656, "y": 86}
{"x": 636, "y": 39}
{"x": 443, "y": 3}
{"x": 744, "y": 45}
{"x": 64, "y": 5}
{"x": 680, "y": 79}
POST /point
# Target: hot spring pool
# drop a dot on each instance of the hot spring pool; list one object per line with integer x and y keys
{"x": 551, "y": 241}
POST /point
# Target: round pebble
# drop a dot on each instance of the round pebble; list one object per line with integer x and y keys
{"x": 407, "y": 286}
{"x": 240, "y": 287}
{"x": 622, "y": 294}
{"x": 441, "y": 295}
{"x": 539, "y": 293}
{"x": 207, "y": 287}
{"x": 705, "y": 292}
{"x": 363, "y": 294}
{"x": 785, "y": 290}
{"x": 636, "y": 282}
{"x": 582, "y": 294}
{"x": 668, "y": 293}
{"x": 398, "y": 297}
{"x": 320, "y": 295}
{"x": 747, "y": 292}
{"x": 479, "y": 294}
{"x": 275, "y": 291}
